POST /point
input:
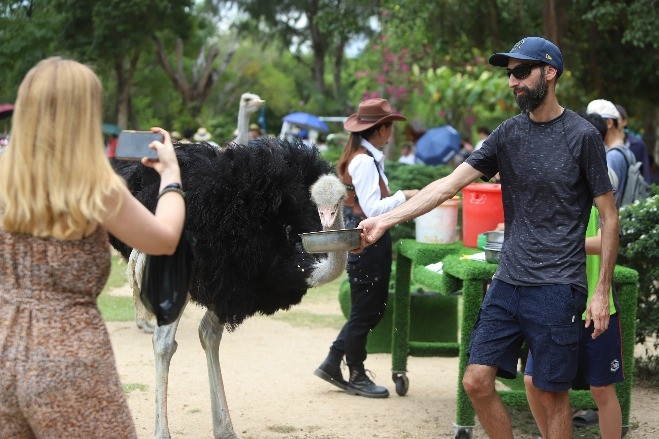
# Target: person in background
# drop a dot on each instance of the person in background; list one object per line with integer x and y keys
{"x": 111, "y": 147}
{"x": 361, "y": 168}
{"x": 618, "y": 158}
{"x": 407, "y": 156}
{"x": 483, "y": 132}
{"x": 202, "y": 135}
{"x": 635, "y": 144}
{"x": 188, "y": 134}
{"x": 4, "y": 140}
{"x": 176, "y": 136}
{"x": 322, "y": 143}
{"x": 254, "y": 131}
{"x": 654, "y": 170}
{"x": 59, "y": 199}
{"x": 552, "y": 166}
{"x": 304, "y": 137}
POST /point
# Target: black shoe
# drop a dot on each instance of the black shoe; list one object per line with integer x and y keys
{"x": 361, "y": 384}
{"x": 330, "y": 370}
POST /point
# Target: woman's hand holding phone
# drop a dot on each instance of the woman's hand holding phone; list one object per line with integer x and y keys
{"x": 167, "y": 163}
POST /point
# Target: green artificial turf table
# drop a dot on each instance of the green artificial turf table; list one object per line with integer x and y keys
{"x": 470, "y": 279}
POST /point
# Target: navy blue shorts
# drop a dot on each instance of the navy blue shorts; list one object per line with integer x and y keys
{"x": 547, "y": 316}
{"x": 600, "y": 360}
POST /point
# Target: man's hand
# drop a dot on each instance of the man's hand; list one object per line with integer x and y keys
{"x": 598, "y": 310}
{"x": 372, "y": 230}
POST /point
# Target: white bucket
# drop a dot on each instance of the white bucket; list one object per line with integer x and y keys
{"x": 439, "y": 226}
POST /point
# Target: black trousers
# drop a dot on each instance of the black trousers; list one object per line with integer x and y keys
{"x": 369, "y": 274}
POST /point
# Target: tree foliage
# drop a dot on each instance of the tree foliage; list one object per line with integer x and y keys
{"x": 639, "y": 249}
{"x": 314, "y": 31}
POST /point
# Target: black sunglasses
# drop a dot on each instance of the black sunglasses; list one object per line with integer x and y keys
{"x": 523, "y": 70}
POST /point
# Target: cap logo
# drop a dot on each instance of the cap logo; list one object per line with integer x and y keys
{"x": 547, "y": 56}
{"x": 518, "y": 46}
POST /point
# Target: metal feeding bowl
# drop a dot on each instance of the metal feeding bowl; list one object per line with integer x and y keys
{"x": 494, "y": 236}
{"x": 331, "y": 240}
{"x": 492, "y": 254}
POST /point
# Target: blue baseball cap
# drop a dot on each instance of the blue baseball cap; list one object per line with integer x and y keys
{"x": 531, "y": 49}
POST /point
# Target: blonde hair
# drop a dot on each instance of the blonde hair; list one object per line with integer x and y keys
{"x": 54, "y": 175}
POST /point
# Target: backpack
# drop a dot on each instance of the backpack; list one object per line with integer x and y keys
{"x": 636, "y": 188}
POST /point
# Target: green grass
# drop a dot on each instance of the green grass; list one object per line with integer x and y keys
{"x": 117, "y": 275}
{"x": 116, "y": 308}
{"x": 282, "y": 428}
{"x": 130, "y": 387}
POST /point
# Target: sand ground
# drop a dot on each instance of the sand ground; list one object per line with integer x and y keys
{"x": 267, "y": 367}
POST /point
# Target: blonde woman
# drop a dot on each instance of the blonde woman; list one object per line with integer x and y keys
{"x": 59, "y": 198}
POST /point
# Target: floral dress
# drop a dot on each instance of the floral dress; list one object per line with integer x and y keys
{"x": 58, "y": 377}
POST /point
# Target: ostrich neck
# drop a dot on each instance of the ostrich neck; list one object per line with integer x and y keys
{"x": 243, "y": 126}
{"x": 329, "y": 268}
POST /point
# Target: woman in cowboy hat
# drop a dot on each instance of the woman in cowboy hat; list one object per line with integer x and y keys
{"x": 361, "y": 168}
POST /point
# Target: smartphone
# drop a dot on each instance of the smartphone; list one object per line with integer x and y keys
{"x": 133, "y": 145}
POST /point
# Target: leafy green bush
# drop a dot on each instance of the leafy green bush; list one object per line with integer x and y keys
{"x": 332, "y": 154}
{"x": 402, "y": 176}
{"x": 639, "y": 249}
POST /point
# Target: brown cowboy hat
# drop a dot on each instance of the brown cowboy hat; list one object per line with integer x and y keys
{"x": 370, "y": 112}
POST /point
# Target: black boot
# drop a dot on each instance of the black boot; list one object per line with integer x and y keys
{"x": 361, "y": 384}
{"x": 330, "y": 369}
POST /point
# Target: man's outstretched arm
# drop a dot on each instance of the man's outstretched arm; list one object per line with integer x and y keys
{"x": 427, "y": 199}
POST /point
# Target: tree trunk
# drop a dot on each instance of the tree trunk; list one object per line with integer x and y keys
{"x": 554, "y": 22}
{"x": 193, "y": 92}
{"x": 338, "y": 67}
{"x": 124, "y": 82}
{"x": 493, "y": 22}
{"x": 319, "y": 46}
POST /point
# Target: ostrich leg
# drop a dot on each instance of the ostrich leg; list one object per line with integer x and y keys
{"x": 164, "y": 346}
{"x": 210, "y": 336}
{"x": 134, "y": 272}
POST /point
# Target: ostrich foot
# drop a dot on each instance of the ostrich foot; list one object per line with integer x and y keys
{"x": 145, "y": 326}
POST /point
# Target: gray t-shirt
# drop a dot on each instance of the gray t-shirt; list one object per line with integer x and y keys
{"x": 550, "y": 173}
{"x": 617, "y": 163}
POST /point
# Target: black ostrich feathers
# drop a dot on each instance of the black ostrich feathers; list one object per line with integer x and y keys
{"x": 246, "y": 206}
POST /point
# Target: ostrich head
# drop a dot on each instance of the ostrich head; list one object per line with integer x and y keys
{"x": 249, "y": 103}
{"x": 329, "y": 193}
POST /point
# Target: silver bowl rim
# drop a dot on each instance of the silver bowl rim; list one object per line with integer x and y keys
{"x": 327, "y": 232}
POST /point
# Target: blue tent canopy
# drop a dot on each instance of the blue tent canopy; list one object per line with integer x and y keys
{"x": 438, "y": 145}
{"x": 306, "y": 121}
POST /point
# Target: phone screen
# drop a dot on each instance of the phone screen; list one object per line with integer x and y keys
{"x": 133, "y": 145}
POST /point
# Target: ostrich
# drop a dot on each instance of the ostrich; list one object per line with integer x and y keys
{"x": 246, "y": 206}
{"x": 249, "y": 103}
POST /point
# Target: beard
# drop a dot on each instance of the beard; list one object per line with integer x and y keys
{"x": 532, "y": 97}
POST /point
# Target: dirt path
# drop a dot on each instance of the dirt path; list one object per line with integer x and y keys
{"x": 267, "y": 369}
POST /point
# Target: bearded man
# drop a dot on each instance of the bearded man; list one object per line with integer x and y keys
{"x": 552, "y": 166}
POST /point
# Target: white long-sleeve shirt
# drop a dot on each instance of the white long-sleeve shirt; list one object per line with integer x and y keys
{"x": 366, "y": 180}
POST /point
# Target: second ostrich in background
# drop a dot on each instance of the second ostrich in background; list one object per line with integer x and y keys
{"x": 249, "y": 103}
{"x": 246, "y": 206}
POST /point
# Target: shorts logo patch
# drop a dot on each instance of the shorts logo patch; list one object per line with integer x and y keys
{"x": 615, "y": 365}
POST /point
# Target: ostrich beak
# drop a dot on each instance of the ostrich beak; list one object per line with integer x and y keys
{"x": 327, "y": 216}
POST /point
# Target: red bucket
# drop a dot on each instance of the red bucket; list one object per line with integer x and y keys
{"x": 482, "y": 210}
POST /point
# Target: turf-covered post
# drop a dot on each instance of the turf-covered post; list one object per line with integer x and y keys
{"x": 400, "y": 331}
{"x": 626, "y": 281}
